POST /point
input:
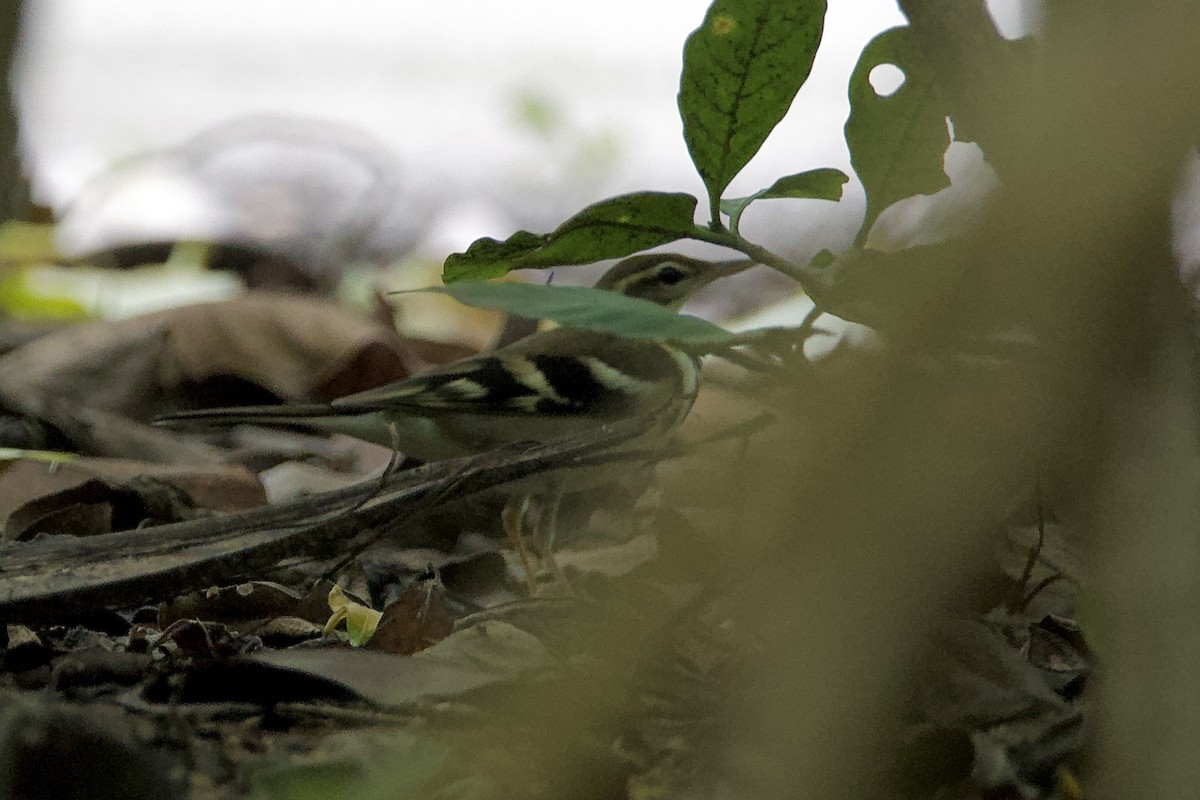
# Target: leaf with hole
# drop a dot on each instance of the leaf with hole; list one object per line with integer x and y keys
{"x": 981, "y": 71}
{"x": 896, "y": 142}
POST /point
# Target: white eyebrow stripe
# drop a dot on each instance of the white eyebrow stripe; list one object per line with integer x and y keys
{"x": 614, "y": 379}
{"x": 526, "y": 373}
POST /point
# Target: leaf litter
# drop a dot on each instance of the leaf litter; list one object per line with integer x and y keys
{"x": 634, "y": 672}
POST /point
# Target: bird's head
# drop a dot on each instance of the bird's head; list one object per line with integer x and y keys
{"x": 667, "y": 279}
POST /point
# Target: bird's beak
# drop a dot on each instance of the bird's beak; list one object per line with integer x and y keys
{"x": 723, "y": 269}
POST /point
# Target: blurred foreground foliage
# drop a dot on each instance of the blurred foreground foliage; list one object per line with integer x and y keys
{"x": 1044, "y": 358}
{"x": 1051, "y": 344}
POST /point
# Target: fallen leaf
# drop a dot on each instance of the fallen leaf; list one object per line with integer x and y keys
{"x": 236, "y": 606}
{"x": 222, "y": 488}
{"x": 291, "y": 347}
{"x": 417, "y": 619}
{"x": 97, "y": 506}
{"x": 488, "y": 653}
{"x": 361, "y": 620}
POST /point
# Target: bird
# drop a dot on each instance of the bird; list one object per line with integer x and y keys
{"x": 550, "y": 384}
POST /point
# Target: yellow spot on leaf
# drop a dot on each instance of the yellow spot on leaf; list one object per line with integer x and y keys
{"x": 723, "y": 25}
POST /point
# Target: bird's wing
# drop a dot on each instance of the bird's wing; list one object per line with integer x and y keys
{"x": 549, "y": 374}
{"x": 371, "y": 427}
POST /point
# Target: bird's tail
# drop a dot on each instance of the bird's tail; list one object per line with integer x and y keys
{"x": 371, "y": 427}
{"x": 257, "y": 415}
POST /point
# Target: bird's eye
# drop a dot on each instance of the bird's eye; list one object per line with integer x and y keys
{"x": 670, "y": 274}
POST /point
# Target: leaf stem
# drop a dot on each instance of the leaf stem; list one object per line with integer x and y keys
{"x": 735, "y": 219}
{"x": 810, "y": 279}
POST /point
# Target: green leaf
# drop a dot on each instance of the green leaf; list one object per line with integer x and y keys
{"x": 489, "y": 258}
{"x": 587, "y": 309}
{"x": 815, "y": 184}
{"x": 617, "y": 227}
{"x": 361, "y": 621}
{"x": 612, "y": 228}
{"x": 823, "y": 259}
{"x": 24, "y": 297}
{"x": 741, "y": 69}
{"x": 896, "y": 142}
{"x": 46, "y": 456}
{"x": 980, "y": 71}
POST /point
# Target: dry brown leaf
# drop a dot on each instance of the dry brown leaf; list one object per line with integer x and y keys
{"x": 242, "y": 607}
{"x": 417, "y": 619}
{"x": 289, "y": 345}
{"x": 222, "y": 488}
{"x": 297, "y": 348}
{"x": 488, "y": 653}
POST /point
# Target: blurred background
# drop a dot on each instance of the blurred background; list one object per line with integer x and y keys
{"x": 370, "y": 133}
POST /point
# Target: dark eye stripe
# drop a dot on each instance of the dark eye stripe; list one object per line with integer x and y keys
{"x": 670, "y": 274}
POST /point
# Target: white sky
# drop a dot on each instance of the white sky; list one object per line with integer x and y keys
{"x": 437, "y": 81}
